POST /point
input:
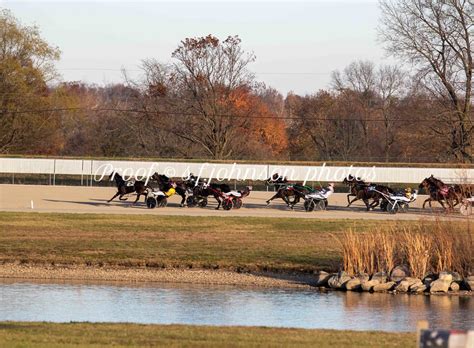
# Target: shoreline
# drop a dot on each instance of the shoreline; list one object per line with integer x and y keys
{"x": 146, "y": 275}
{"x": 122, "y": 276}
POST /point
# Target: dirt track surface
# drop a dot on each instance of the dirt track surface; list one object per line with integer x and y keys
{"x": 77, "y": 199}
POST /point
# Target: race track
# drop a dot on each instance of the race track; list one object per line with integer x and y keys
{"x": 77, "y": 199}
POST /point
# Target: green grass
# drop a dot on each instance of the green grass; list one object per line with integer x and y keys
{"x": 234, "y": 243}
{"x": 13, "y": 334}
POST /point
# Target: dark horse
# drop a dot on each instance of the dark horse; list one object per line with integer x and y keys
{"x": 204, "y": 190}
{"x": 139, "y": 187}
{"x": 182, "y": 187}
{"x": 364, "y": 191}
{"x": 440, "y": 192}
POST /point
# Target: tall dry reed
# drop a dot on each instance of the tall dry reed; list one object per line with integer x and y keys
{"x": 417, "y": 245}
{"x": 423, "y": 247}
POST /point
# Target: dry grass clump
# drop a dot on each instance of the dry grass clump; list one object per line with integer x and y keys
{"x": 424, "y": 247}
{"x": 368, "y": 252}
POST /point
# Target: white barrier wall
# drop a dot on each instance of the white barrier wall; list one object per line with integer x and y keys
{"x": 231, "y": 171}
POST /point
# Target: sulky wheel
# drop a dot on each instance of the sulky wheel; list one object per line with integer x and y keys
{"x": 309, "y": 205}
{"x": 227, "y": 204}
{"x": 151, "y": 202}
{"x": 392, "y": 207}
{"x": 163, "y": 202}
{"x": 191, "y": 201}
{"x": 237, "y": 202}
{"x": 202, "y": 202}
{"x": 320, "y": 205}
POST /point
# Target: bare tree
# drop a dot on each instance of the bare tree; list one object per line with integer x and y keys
{"x": 390, "y": 85}
{"x": 436, "y": 36}
{"x": 328, "y": 123}
{"x": 377, "y": 92}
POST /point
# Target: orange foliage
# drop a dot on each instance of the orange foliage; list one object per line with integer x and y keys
{"x": 263, "y": 132}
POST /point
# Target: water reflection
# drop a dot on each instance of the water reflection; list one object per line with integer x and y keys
{"x": 224, "y": 305}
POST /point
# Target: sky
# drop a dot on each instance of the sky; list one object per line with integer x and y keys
{"x": 297, "y": 43}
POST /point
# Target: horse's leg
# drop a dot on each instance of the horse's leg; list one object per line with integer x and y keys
{"x": 366, "y": 201}
{"x": 146, "y": 195}
{"x": 355, "y": 199}
{"x": 110, "y": 200}
{"x": 450, "y": 203}
{"x": 218, "y": 201}
{"x": 183, "y": 199}
{"x": 295, "y": 201}
{"x": 440, "y": 201}
{"x": 427, "y": 200}
{"x": 138, "y": 197}
{"x": 286, "y": 198}
{"x": 457, "y": 199}
{"x": 123, "y": 191}
{"x": 375, "y": 203}
{"x": 277, "y": 195}
{"x": 349, "y": 202}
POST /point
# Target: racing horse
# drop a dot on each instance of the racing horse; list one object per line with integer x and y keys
{"x": 286, "y": 190}
{"x": 359, "y": 189}
{"x": 139, "y": 187}
{"x": 182, "y": 187}
{"x": 204, "y": 190}
{"x": 439, "y": 192}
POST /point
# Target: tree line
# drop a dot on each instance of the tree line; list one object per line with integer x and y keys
{"x": 208, "y": 104}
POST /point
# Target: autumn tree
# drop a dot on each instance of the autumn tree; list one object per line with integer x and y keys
{"x": 26, "y": 67}
{"x": 329, "y": 124}
{"x": 208, "y": 99}
{"x": 436, "y": 36}
{"x": 210, "y": 74}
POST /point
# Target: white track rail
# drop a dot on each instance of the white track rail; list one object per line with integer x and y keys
{"x": 88, "y": 168}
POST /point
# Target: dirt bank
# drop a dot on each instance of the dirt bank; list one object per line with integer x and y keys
{"x": 83, "y": 273}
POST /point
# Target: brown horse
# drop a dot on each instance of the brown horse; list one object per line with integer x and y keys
{"x": 284, "y": 190}
{"x": 139, "y": 187}
{"x": 364, "y": 191}
{"x": 439, "y": 192}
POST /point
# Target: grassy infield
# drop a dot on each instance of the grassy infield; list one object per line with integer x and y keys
{"x": 278, "y": 244}
{"x": 126, "y": 335}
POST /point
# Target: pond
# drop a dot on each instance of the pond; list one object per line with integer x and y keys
{"x": 223, "y": 305}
